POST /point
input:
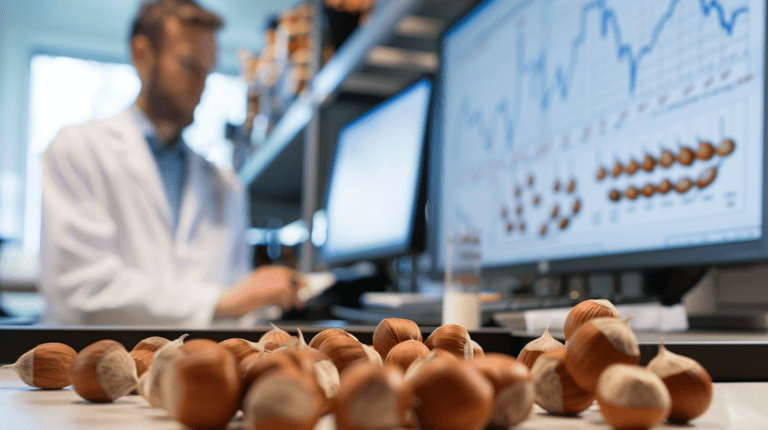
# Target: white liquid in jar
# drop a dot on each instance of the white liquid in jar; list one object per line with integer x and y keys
{"x": 461, "y": 308}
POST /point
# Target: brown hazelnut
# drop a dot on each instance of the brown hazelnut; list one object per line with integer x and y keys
{"x": 274, "y": 338}
{"x": 143, "y": 359}
{"x": 240, "y": 348}
{"x": 403, "y": 354}
{"x": 392, "y": 331}
{"x": 512, "y": 387}
{"x": 103, "y": 371}
{"x": 372, "y": 397}
{"x": 344, "y": 350}
{"x": 452, "y": 338}
{"x": 45, "y": 366}
{"x": 284, "y": 400}
{"x": 597, "y": 344}
{"x": 153, "y": 344}
{"x": 632, "y": 397}
{"x": 554, "y": 389}
{"x": 585, "y": 311}
{"x": 689, "y": 384}
{"x": 536, "y": 347}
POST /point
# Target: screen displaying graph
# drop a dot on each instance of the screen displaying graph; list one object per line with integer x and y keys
{"x": 574, "y": 129}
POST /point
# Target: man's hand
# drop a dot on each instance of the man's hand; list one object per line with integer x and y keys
{"x": 267, "y": 285}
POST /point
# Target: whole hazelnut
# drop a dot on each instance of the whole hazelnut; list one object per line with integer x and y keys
{"x": 344, "y": 350}
{"x": 452, "y": 338}
{"x": 152, "y": 383}
{"x": 536, "y": 347}
{"x": 632, "y": 397}
{"x": 512, "y": 386}
{"x": 585, "y": 311}
{"x": 597, "y": 344}
{"x": 450, "y": 394}
{"x": 103, "y": 371}
{"x": 152, "y": 344}
{"x": 143, "y": 359}
{"x": 403, "y": 354}
{"x": 240, "y": 348}
{"x": 689, "y": 384}
{"x": 327, "y": 334}
{"x": 554, "y": 389}
{"x": 392, "y": 331}
{"x": 206, "y": 388}
{"x": 372, "y": 397}
{"x": 274, "y": 338}
{"x": 45, "y": 366}
{"x": 283, "y": 400}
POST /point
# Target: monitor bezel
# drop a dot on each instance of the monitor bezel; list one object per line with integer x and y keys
{"x": 721, "y": 254}
{"x": 416, "y": 241}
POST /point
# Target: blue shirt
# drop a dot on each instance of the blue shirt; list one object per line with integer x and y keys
{"x": 171, "y": 161}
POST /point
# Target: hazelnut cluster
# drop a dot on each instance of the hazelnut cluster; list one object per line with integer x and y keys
{"x": 442, "y": 382}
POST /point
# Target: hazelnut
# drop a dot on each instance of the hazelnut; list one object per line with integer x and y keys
{"x": 452, "y": 338}
{"x": 477, "y": 350}
{"x": 284, "y": 399}
{"x": 372, "y": 397}
{"x": 632, "y": 397}
{"x": 326, "y": 334}
{"x": 345, "y": 349}
{"x": 418, "y": 363}
{"x": 536, "y": 347}
{"x": 45, "y": 366}
{"x": 152, "y": 383}
{"x": 197, "y": 345}
{"x": 392, "y": 331}
{"x": 512, "y": 387}
{"x": 689, "y": 384}
{"x": 450, "y": 394}
{"x": 241, "y": 348}
{"x": 585, "y": 311}
{"x": 274, "y": 338}
{"x": 597, "y": 344}
{"x": 554, "y": 389}
{"x": 152, "y": 344}
{"x": 206, "y": 388}
{"x": 403, "y": 354}
{"x": 143, "y": 359}
{"x": 103, "y": 371}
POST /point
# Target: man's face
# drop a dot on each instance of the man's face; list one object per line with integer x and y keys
{"x": 185, "y": 57}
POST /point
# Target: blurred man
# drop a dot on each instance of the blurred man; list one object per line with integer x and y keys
{"x": 137, "y": 228}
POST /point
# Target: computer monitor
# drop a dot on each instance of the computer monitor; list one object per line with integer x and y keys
{"x": 598, "y": 135}
{"x": 377, "y": 186}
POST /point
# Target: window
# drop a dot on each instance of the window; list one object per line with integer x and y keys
{"x": 66, "y": 91}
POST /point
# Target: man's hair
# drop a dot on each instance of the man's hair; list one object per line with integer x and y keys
{"x": 152, "y": 15}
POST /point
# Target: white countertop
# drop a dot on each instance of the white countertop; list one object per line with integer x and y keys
{"x": 735, "y": 406}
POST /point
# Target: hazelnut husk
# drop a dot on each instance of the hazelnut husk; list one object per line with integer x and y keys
{"x": 103, "y": 372}
{"x": 392, "y": 331}
{"x": 536, "y": 347}
{"x": 45, "y": 366}
{"x": 689, "y": 384}
{"x": 597, "y": 344}
{"x": 585, "y": 311}
{"x": 206, "y": 388}
{"x": 404, "y": 353}
{"x": 554, "y": 389}
{"x": 450, "y": 394}
{"x": 372, "y": 397}
{"x": 512, "y": 386}
{"x": 284, "y": 400}
{"x": 632, "y": 397}
{"x": 452, "y": 338}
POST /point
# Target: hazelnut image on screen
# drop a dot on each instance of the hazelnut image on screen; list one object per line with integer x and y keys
{"x": 683, "y": 185}
{"x": 617, "y": 169}
{"x": 510, "y": 227}
{"x": 705, "y": 151}
{"x": 556, "y": 186}
{"x": 706, "y": 177}
{"x": 664, "y": 186}
{"x": 555, "y": 211}
{"x": 536, "y": 200}
{"x": 576, "y": 206}
{"x": 631, "y": 192}
{"x": 614, "y": 195}
{"x": 725, "y": 147}
{"x": 571, "y": 185}
{"x": 686, "y": 156}
{"x": 543, "y": 230}
{"x": 531, "y": 180}
{"x": 648, "y": 163}
{"x": 632, "y": 167}
{"x": 564, "y": 223}
{"x": 601, "y": 174}
{"x": 667, "y": 159}
{"x": 648, "y": 190}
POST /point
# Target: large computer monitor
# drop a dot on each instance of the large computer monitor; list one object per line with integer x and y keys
{"x": 377, "y": 186}
{"x": 604, "y": 134}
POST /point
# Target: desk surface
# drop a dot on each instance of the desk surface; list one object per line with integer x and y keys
{"x": 735, "y": 406}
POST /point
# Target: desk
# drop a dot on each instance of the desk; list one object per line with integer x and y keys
{"x": 738, "y": 405}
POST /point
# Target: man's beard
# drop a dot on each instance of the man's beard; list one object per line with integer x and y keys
{"x": 162, "y": 105}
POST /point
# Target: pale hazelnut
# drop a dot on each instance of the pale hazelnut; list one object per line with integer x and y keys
{"x": 392, "y": 331}
{"x": 536, "y": 347}
{"x": 103, "y": 371}
{"x": 632, "y": 397}
{"x": 597, "y": 344}
{"x": 689, "y": 384}
{"x": 45, "y": 366}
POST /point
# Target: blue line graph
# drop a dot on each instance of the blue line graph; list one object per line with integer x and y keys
{"x": 560, "y": 82}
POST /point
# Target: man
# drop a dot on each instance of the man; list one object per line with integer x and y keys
{"x": 137, "y": 228}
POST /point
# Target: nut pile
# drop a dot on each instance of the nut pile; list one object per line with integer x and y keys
{"x": 445, "y": 381}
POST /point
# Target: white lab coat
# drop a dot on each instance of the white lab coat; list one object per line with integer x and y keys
{"x": 108, "y": 251}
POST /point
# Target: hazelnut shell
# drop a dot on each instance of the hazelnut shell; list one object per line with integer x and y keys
{"x": 585, "y": 311}
{"x": 554, "y": 389}
{"x": 512, "y": 387}
{"x": 45, "y": 366}
{"x": 689, "y": 384}
{"x": 536, "y": 347}
{"x": 103, "y": 371}
{"x": 452, "y": 338}
{"x": 153, "y": 344}
{"x": 632, "y": 397}
{"x": 404, "y": 353}
{"x": 372, "y": 397}
{"x": 392, "y": 331}
{"x": 240, "y": 348}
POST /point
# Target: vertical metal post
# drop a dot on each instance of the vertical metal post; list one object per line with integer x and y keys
{"x": 311, "y": 143}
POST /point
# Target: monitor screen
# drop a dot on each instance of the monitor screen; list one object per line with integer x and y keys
{"x": 375, "y": 194}
{"x": 604, "y": 134}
